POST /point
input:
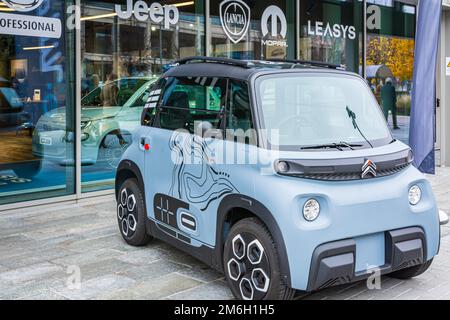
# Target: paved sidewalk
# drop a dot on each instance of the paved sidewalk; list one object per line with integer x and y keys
{"x": 42, "y": 249}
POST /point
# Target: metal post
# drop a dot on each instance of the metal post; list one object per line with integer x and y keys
{"x": 364, "y": 49}
{"x": 78, "y": 105}
{"x": 207, "y": 28}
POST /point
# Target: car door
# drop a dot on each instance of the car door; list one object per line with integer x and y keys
{"x": 184, "y": 180}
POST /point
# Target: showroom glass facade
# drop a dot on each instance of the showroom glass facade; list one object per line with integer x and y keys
{"x": 124, "y": 45}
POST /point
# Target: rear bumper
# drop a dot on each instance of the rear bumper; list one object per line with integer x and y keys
{"x": 335, "y": 263}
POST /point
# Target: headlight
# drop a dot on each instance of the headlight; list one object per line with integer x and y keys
{"x": 84, "y": 136}
{"x": 85, "y": 124}
{"x": 282, "y": 167}
{"x": 414, "y": 195}
{"x": 311, "y": 210}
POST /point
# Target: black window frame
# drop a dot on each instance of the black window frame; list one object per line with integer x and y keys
{"x": 224, "y": 111}
{"x": 159, "y": 108}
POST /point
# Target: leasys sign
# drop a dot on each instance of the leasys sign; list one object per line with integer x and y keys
{"x": 322, "y": 29}
{"x": 155, "y": 12}
{"x": 27, "y": 24}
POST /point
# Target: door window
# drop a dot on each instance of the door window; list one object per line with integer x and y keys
{"x": 188, "y": 102}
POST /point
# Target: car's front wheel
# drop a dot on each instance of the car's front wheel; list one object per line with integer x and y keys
{"x": 28, "y": 170}
{"x": 131, "y": 214}
{"x": 251, "y": 263}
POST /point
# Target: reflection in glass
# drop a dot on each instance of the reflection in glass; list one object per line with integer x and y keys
{"x": 253, "y": 44}
{"x": 390, "y": 58}
{"x": 121, "y": 59}
{"x": 35, "y": 83}
{"x": 330, "y": 32}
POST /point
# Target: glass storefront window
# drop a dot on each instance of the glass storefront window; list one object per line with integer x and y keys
{"x": 126, "y": 45}
{"x": 252, "y": 30}
{"x": 36, "y": 101}
{"x": 391, "y": 29}
{"x": 330, "y": 31}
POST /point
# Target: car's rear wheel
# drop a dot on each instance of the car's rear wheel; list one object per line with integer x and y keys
{"x": 411, "y": 272}
{"x": 28, "y": 170}
{"x": 251, "y": 263}
{"x": 131, "y": 214}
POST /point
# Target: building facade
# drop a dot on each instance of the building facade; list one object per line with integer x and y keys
{"x": 75, "y": 75}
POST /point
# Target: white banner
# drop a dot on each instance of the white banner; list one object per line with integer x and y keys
{"x": 31, "y": 26}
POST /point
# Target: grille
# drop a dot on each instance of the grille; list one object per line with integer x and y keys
{"x": 348, "y": 176}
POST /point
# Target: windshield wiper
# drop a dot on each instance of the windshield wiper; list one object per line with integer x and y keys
{"x": 339, "y": 146}
{"x": 352, "y": 116}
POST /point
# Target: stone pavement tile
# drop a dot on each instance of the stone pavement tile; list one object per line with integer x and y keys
{"x": 64, "y": 230}
{"x": 95, "y": 287}
{"x": 153, "y": 270}
{"x": 26, "y": 258}
{"x": 107, "y": 230}
{"x": 11, "y": 244}
{"x": 216, "y": 290}
{"x": 153, "y": 289}
{"x": 176, "y": 255}
{"x": 26, "y": 289}
{"x": 201, "y": 272}
{"x": 99, "y": 268}
{"x": 44, "y": 295}
{"x": 34, "y": 272}
{"x": 97, "y": 243}
{"x": 142, "y": 256}
{"x": 90, "y": 256}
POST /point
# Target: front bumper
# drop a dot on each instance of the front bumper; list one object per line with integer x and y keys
{"x": 335, "y": 263}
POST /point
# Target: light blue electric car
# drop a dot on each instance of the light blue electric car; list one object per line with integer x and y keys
{"x": 293, "y": 183}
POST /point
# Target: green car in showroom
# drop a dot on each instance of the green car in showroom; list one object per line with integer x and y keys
{"x": 109, "y": 114}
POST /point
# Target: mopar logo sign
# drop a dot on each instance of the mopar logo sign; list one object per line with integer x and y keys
{"x": 235, "y": 19}
{"x": 23, "y": 5}
{"x": 274, "y": 15}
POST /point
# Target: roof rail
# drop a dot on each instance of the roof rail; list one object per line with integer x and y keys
{"x": 311, "y": 63}
{"x": 231, "y": 62}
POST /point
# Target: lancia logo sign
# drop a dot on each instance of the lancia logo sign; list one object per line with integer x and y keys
{"x": 23, "y": 5}
{"x": 235, "y": 19}
{"x": 369, "y": 169}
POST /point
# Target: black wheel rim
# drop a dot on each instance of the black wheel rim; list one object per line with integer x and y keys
{"x": 248, "y": 267}
{"x": 127, "y": 213}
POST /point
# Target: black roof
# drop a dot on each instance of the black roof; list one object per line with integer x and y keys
{"x": 241, "y": 69}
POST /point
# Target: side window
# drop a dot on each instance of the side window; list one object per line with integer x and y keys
{"x": 189, "y": 102}
{"x": 150, "y": 106}
{"x": 239, "y": 113}
{"x": 141, "y": 100}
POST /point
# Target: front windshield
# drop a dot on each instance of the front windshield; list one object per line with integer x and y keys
{"x": 313, "y": 110}
{"x": 114, "y": 93}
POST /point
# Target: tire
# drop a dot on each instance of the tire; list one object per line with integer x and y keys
{"x": 131, "y": 214}
{"x": 412, "y": 272}
{"x": 254, "y": 274}
{"x": 112, "y": 148}
{"x": 28, "y": 170}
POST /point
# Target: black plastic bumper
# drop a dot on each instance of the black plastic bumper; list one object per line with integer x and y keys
{"x": 334, "y": 263}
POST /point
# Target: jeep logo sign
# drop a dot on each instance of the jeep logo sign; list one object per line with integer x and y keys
{"x": 167, "y": 15}
{"x": 235, "y": 19}
{"x": 23, "y": 5}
